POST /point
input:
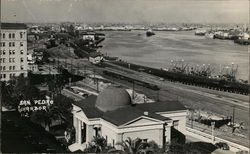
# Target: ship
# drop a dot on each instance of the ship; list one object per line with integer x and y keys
{"x": 150, "y": 33}
{"x": 200, "y": 32}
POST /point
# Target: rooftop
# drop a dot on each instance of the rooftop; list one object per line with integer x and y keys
{"x": 121, "y": 116}
{"x": 13, "y": 26}
{"x": 166, "y": 106}
{"x": 115, "y": 107}
{"x": 112, "y": 98}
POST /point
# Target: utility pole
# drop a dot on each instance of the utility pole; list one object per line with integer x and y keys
{"x": 78, "y": 69}
{"x": 71, "y": 68}
{"x": 233, "y": 116}
{"x": 57, "y": 62}
{"x": 84, "y": 70}
{"x": 49, "y": 68}
{"x": 158, "y": 97}
{"x": 212, "y": 127}
{"x": 192, "y": 118}
{"x": 97, "y": 85}
{"x": 133, "y": 91}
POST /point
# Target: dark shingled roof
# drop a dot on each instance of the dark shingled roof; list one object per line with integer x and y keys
{"x": 88, "y": 107}
{"x": 13, "y": 26}
{"x": 127, "y": 114}
{"x": 161, "y": 106}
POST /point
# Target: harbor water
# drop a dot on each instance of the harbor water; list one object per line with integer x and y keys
{"x": 157, "y": 51}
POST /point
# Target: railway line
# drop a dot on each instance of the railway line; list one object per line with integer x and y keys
{"x": 217, "y": 102}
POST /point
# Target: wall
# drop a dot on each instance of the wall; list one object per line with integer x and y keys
{"x": 181, "y": 116}
{"x": 111, "y": 134}
{"x": 153, "y": 134}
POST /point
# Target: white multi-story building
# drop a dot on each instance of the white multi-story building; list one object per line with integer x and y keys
{"x": 13, "y": 50}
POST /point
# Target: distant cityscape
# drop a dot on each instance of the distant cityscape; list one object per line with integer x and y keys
{"x": 61, "y": 92}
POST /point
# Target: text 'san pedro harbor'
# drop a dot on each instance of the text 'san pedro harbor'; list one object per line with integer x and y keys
{"x": 124, "y": 76}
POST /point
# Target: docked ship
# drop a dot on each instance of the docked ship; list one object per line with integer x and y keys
{"x": 150, "y": 33}
{"x": 200, "y": 32}
{"x": 209, "y": 35}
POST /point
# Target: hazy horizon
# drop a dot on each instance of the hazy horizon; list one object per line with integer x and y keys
{"x": 126, "y": 11}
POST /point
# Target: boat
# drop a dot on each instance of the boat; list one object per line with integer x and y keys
{"x": 150, "y": 33}
{"x": 200, "y": 32}
{"x": 209, "y": 35}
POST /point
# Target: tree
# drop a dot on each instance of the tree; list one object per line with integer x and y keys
{"x": 98, "y": 145}
{"x": 45, "y": 118}
{"x": 138, "y": 146}
{"x": 64, "y": 107}
{"x": 18, "y": 88}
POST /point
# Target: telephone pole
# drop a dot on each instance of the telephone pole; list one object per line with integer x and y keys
{"x": 133, "y": 91}
{"x": 71, "y": 65}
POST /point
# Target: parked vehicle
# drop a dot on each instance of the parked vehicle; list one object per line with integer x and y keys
{"x": 222, "y": 145}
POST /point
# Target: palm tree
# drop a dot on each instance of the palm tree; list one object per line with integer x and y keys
{"x": 138, "y": 146}
{"x": 98, "y": 145}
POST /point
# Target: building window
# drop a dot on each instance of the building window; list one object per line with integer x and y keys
{"x": 21, "y": 34}
{"x": 13, "y": 67}
{"x": 10, "y": 67}
{"x": 3, "y": 60}
{"x": 12, "y": 60}
{"x": 13, "y": 35}
{"x": 21, "y": 51}
{"x": 3, "y": 44}
{"x": 3, "y": 35}
{"x": 4, "y": 75}
{"x": 4, "y": 68}
{"x": 9, "y": 35}
{"x": 3, "y": 52}
{"x": 21, "y": 67}
{"x": 21, "y": 59}
{"x": 10, "y": 52}
{"x": 1, "y": 68}
{"x": 10, "y": 43}
{"x": 21, "y": 44}
{"x": 176, "y": 124}
{"x": 13, "y": 44}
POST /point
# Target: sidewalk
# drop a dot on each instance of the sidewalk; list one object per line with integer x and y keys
{"x": 194, "y": 135}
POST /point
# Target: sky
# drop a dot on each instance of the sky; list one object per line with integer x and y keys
{"x": 126, "y": 11}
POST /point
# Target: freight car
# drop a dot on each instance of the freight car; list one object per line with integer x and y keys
{"x": 129, "y": 79}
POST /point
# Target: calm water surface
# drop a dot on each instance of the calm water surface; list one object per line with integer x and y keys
{"x": 158, "y": 50}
